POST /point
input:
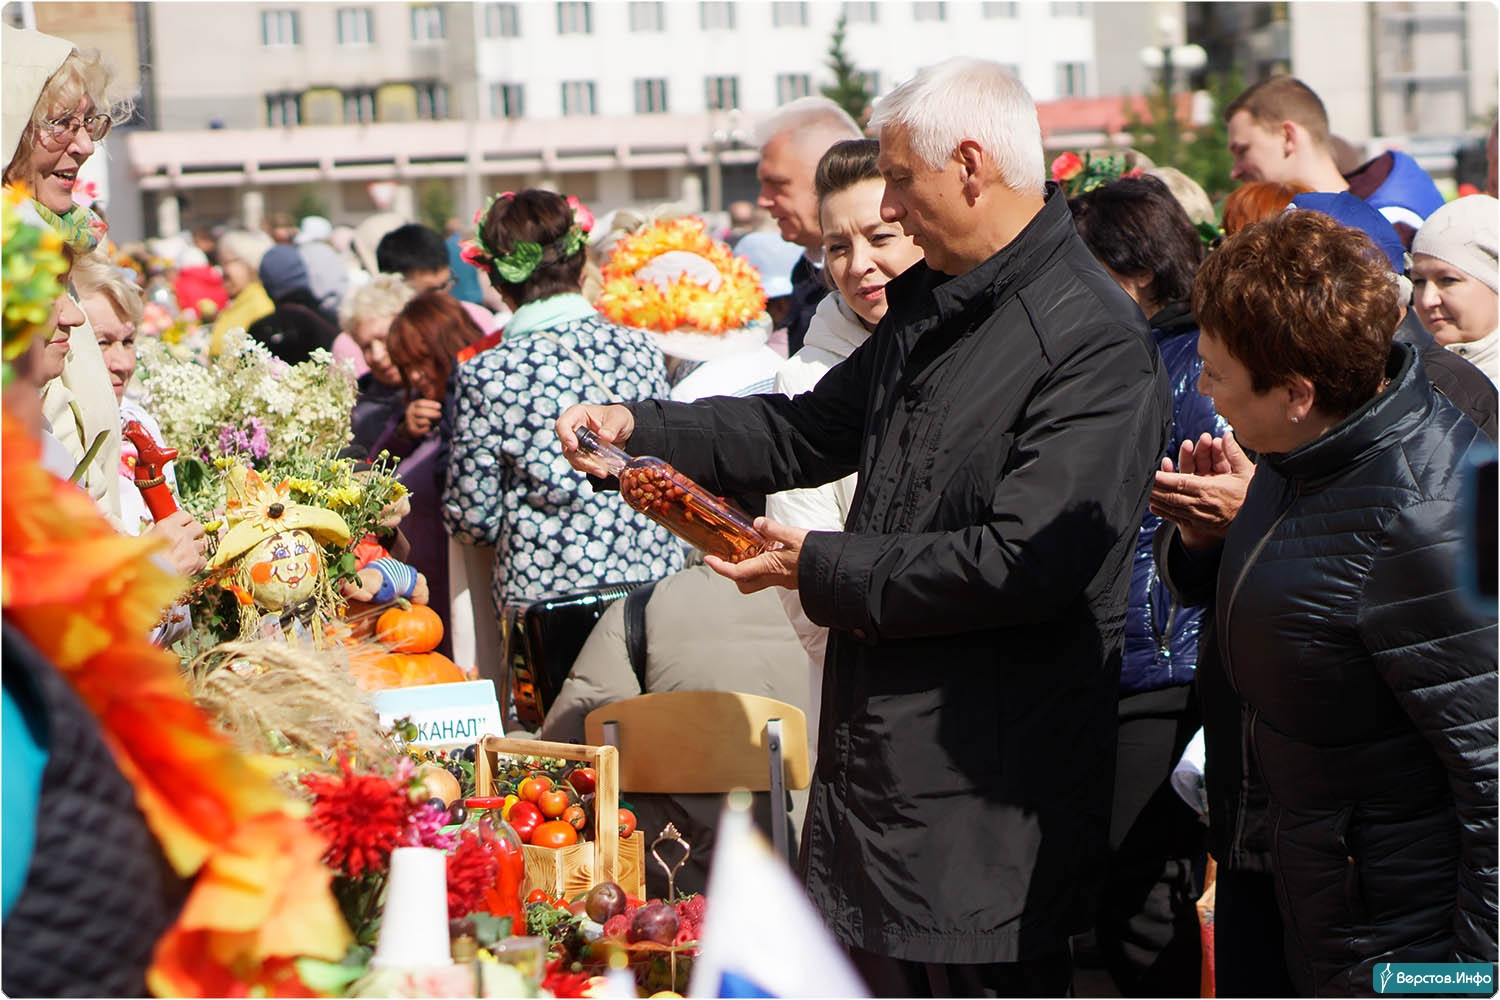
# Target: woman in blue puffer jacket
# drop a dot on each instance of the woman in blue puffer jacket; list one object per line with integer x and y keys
{"x": 1148, "y": 926}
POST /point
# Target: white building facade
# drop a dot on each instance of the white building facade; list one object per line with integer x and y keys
{"x": 265, "y": 106}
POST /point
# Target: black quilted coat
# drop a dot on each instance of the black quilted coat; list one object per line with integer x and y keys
{"x": 1005, "y": 424}
{"x": 1371, "y": 689}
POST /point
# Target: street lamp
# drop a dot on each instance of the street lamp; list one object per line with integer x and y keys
{"x": 730, "y": 136}
{"x": 1168, "y": 56}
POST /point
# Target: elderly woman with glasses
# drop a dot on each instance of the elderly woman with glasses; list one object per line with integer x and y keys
{"x": 55, "y": 109}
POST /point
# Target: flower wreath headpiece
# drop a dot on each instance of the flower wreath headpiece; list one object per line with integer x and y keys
{"x": 525, "y": 257}
{"x": 33, "y": 263}
{"x": 1081, "y": 175}
{"x": 672, "y": 276}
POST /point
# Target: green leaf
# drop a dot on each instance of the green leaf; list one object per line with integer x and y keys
{"x": 192, "y": 475}
{"x": 489, "y": 928}
{"x": 330, "y": 978}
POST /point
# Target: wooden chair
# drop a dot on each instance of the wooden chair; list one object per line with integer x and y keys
{"x": 695, "y": 742}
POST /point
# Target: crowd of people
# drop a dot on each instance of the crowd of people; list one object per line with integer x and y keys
{"x": 1100, "y": 549}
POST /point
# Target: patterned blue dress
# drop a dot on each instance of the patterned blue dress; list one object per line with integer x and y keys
{"x": 508, "y": 483}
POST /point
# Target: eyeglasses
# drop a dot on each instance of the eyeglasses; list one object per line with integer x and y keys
{"x": 61, "y": 129}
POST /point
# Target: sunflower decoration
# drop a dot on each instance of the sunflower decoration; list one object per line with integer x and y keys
{"x": 672, "y": 279}
{"x": 271, "y": 558}
{"x": 33, "y": 267}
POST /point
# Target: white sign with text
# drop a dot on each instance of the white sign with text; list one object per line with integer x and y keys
{"x": 443, "y": 713}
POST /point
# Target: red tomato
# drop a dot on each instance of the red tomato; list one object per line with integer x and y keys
{"x": 576, "y": 816}
{"x": 582, "y": 779}
{"x": 552, "y": 802}
{"x": 627, "y": 822}
{"x": 525, "y": 818}
{"x": 538, "y": 896}
{"x": 532, "y": 788}
{"x": 554, "y": 833}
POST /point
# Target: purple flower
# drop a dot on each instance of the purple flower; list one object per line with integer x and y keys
{"x": 233, "y": 440}
{"x": 260, "y": 444}
{"x": 424, "y": 828}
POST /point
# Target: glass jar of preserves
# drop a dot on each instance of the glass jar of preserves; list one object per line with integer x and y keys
{"x": 501, "y": 840}
{"x": 678, "y": 504}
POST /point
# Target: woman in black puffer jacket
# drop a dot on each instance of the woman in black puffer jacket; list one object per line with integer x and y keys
{"x": 1369, "y": 681}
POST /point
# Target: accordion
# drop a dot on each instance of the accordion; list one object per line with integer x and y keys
{"x": 542, "y": 639}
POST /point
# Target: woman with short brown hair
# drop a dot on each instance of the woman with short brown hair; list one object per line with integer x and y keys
{"x": 1368, "y": 683}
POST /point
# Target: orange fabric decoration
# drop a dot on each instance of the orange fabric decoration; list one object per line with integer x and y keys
{"x": 87, "y": 598}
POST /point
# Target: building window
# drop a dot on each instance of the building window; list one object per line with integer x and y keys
{"x": 359, "y": 106}
{"x": 577, "y": 98}
{"x": 427, "y": 23}
{"x": 789, "y": 14}
{"x": 432, "y": 101}
{"x": 647, "y": 16}
{"x": 1072, "y": 79}
{"x": 1069, "y": 8}
{"x": 279, "y": 28}
{"x": 860, "y": 13}
{"x": 575, "y": 17}
{"x": 790, "y": 86}
{"x": 650, "y": 96}
{"x": 722, "y": 93}
{"x": 507, "y": 100}
{"x": 926, "y": 10}
{"x": 283, "y": 109}
{"x": 716, "y": 15}
{"x": 1003, "y": 8}
{"x": 356, "y": 26}
{"x": 502, "y": 20}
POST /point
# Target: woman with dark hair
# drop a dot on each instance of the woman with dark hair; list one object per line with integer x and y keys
{"x": 861, "y": 253}
{"x": 1368, "y": 684}
{"x": 422, "y": 344}
{"x": 508, "y": 483}
{"x": 1148, "y": 923}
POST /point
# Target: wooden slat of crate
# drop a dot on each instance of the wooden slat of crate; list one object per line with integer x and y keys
{"x": 572, "y": 870}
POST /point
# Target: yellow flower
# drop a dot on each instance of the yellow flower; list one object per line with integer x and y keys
{"x": 629, "y": 301}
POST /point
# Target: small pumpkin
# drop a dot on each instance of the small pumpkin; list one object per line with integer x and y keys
{"x": 416, "y": 629}
{"x": 375, "y": 670}
{"x": 431, "y": 668}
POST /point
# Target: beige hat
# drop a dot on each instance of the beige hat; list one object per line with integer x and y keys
{"x": 30, "y": 60}
{"x": 1465, "y": 233}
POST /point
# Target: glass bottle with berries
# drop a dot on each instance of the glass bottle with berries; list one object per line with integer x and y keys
{"x": 500, "y": 838}
{"x": 678, "y": 504}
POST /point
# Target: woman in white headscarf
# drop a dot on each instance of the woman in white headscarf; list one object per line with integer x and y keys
{"x": 55, "y": 109}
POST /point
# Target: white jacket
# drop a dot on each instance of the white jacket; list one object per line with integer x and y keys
{"x": 832, "y": 335}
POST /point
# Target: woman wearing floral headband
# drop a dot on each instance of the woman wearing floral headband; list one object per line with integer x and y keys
{"x": 55, "y": 110}
{"x": 508, "y": 483}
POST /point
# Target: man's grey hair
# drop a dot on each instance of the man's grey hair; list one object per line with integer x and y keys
{"x": 975, "y": 99}
{"x": 810, "y": 114}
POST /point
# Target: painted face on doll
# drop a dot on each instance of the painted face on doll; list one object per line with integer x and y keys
{"x": 284, "y": 569}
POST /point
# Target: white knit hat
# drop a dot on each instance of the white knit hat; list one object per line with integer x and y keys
{"x": 1465, "y": 233}
{"x": 30, "y": 60}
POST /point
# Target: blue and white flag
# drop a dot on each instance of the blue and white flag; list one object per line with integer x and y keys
{"x": 761, "y": 936}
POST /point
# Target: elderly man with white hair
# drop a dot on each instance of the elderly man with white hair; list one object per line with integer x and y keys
{"x": 792, "y": 141}
{"x": 1005, "y": 419}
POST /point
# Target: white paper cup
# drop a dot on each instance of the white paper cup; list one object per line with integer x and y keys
{"x": 414, "y": 923}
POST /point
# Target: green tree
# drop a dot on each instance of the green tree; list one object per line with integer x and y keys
{"x": 308, "y": 203}
{"x": 1201, "y": 152}
{"x": 435, "y": 204}
{"x": 848, "y": 90}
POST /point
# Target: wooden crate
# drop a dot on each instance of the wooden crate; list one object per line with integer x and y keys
{"x": 572, "y": 871}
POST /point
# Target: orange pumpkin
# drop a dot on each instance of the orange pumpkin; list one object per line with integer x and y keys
{"x": 374, "y": 670}
{"x": 416, "y": 669}
{"x": 416, "y": 629}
